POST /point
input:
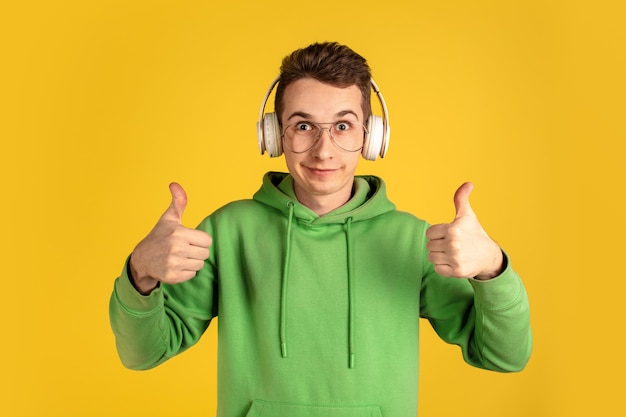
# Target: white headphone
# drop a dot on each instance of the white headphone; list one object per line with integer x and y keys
{"x": 375, "y": 144}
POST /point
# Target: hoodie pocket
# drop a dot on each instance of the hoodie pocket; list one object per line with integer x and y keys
{"x": 271, "y": 409}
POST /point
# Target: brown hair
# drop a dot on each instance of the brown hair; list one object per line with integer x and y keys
{"x": 329, "y": 63}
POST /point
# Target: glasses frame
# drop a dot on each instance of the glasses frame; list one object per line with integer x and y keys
{"x": 320, "y": 131}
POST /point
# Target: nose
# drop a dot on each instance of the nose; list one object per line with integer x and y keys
{"x": 329, "y": 129}
{"x": 323, "y": 148}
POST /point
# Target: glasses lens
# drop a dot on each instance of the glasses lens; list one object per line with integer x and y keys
{"x": 348, "y": 135}
{"x": 301, "y": 136}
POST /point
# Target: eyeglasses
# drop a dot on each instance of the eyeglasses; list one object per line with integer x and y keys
{"x": 301, "y": 136}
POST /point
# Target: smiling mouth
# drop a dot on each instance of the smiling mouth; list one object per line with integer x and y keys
{"x": 321, "y": 171}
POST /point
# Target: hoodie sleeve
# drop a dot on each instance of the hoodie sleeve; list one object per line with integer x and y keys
{"x": 489, "y": 320}
{"x": 151, "y": 329}
{"x": 502, "y": 337}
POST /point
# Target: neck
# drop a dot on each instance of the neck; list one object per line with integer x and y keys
{"x": 323, "y": 204}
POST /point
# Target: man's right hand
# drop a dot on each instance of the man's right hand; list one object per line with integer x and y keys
{"x": 171, "y": 253}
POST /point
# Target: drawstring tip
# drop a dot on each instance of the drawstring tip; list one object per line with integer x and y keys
{"x": 283, "y": 349}
{"x": 351, "y": 362}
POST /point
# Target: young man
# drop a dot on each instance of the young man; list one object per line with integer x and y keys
{"x": 318, "y": 281}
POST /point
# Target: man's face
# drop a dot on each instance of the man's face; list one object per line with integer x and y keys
{"x": 323, "y": 175}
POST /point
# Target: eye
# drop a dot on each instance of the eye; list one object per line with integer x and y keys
{"x": 343, "y": 127}
{"x": 304, "y": 126}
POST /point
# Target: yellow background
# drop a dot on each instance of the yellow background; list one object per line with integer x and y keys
{"x": 103, "y": 103}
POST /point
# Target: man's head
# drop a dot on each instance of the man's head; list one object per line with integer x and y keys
{"x": 329, "y": 63}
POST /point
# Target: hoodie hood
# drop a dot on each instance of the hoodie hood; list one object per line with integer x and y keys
{"x": 368, "y": 200}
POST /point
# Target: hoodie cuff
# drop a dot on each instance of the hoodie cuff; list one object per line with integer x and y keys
{"x": 132, "y": 299}
{"x": 499, "y": 292}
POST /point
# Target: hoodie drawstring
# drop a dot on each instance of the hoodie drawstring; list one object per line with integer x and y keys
{"x": 283, "y": 289}
{"x": 351, "y": 321}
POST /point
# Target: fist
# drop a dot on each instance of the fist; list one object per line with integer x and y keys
{"x": 462, "y": 249}
{"x": 171, "y": 253}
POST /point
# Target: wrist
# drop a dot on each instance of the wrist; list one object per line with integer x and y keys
{"x": 498, "y": 266}
{"x": 144, "y": 284}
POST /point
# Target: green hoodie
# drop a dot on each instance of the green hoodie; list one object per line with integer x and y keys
{"x": 319, "y": 315}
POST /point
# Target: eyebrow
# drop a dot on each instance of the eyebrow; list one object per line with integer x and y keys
{"x": 308, "y": 116}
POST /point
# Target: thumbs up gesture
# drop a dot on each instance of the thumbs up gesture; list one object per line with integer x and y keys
{"x": 171, "y": 253}
{"x": 462, "y": 248}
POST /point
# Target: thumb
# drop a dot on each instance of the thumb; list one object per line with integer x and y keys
{"x": 461, "y": 200}
{"x": 179, "y": 201}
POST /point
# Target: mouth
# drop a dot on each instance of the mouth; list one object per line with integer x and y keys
{"x": 322, "y": 172}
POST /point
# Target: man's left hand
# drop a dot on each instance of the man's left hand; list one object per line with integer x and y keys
{"x": 462, "y": 248}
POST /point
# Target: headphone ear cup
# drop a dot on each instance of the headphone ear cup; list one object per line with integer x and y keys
{"x": 374, "y": 138}
{"x": 259, "y": 135}
{"x": 271, "y": 135}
